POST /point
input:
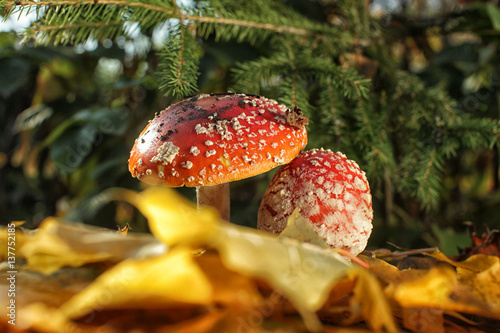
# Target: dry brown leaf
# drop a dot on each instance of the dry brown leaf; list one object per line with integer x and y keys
{"x": 488, "y": 243}
{"x": 370, "y": 303}
{"x": 423, "y": 320}
{"x": 123, "y": 231}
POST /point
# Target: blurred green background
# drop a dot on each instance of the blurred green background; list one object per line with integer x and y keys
{"x": 69, "y": 117}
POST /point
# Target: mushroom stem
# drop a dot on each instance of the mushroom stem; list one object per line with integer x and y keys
{"x": 216, "y": 196}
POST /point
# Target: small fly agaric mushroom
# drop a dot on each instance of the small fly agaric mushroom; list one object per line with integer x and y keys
{"x": 331, "y": 192}
{"x": 209, "y": 140}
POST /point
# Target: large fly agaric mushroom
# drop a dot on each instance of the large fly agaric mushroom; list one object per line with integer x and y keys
{"x": 209, "y": 140}
{"x": 331, "y": 192}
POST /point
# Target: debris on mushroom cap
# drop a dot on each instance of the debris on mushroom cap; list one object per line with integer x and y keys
{"x": 332, "y": 193}
{"x": 214, "y": 139}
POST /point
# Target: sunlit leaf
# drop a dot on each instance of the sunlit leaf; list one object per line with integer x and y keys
{"x": 431, "y": 290}
{"x": 472, "y": 289}
{"x": 303, "y": 272}
{"x": 370, "y": 303}
{"x": 486, "y": 283}
{"x": 46, "y": 251}
{"x": 300, "y": 229}
{"x": 172, "y": 219}
{"x": 154, "y": 282}
{"x": 478, "y": 276}
{"x": 230, "y": 288}
{"x": 55, "y": 244}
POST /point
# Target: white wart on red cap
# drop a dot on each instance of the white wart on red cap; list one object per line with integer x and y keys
{"x": 332, "y": 193}
{"x": 214, "y": 139}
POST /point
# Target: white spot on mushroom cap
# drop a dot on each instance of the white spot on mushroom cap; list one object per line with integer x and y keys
{"x": 194, "y": 150}
{"x": 187, "y": 164}
{"x": 166, "y": 153}
{"x": 200, "y": 129}
{"x": 210, "y": 153}
{"x": 236, "y": 124}
{"x": 279, "y": 160}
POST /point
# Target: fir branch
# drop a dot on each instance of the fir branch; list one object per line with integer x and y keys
{"x": 19, "y": 5}
{"x": 265, "y": 70}
{"x": 328, "y": 100}
{"x": 256, "y": 20}
{"x": 293, "y": 93}
{"x": 252, "y": 76}
{"x": 76, "y": 7}
{"x": 364, "y": 120}
{"x": 178, "y": 69}
{"x": 280, "y": 29}
{"x": 428, "y": 177}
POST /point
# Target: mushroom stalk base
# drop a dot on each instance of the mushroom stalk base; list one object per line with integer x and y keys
{"x": 216, "y": 196}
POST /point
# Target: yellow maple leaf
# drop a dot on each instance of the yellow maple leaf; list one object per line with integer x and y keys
{"x": 56, "y": 244}
{"x": 46, "y": 251}
{"x": 430, "y": 290}
{"x": 171, "y": 218}
{"x": 171, "y": 278}
{"x": 371, "y": 303}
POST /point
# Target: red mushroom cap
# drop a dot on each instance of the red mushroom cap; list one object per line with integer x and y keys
{"x": 332, "y": 193}
{"x": 214, "y": 139}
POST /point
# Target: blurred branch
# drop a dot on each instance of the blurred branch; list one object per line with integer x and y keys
{"x": 174, "y": 13}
